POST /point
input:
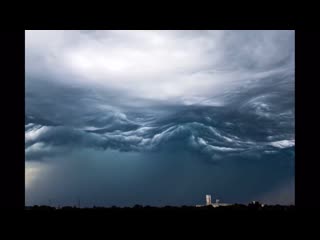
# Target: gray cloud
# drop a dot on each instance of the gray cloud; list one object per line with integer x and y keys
{"x": 184, "y": 64}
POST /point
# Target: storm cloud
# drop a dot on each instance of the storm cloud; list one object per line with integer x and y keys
{"x": 200, "y": 110}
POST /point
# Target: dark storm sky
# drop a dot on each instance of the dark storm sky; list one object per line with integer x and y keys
{"x": 159, "y": 117}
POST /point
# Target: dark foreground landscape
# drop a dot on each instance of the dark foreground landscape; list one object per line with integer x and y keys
{"x": 256, "y": 207}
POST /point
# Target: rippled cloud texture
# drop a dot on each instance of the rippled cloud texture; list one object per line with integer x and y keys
{"x": 159, "y": 117}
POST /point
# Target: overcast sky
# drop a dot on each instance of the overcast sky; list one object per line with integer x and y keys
{"x": 159, "y": 117}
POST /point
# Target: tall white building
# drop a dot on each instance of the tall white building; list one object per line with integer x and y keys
{"x": 208, "y": 199}
{"x": 216, "y": 204}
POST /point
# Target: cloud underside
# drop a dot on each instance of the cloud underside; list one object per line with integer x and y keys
{"x": 216, "y": 137}
{"x": 256, "y": 119}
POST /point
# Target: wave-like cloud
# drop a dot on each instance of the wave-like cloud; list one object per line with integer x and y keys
{"x": 118, "y": 132}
